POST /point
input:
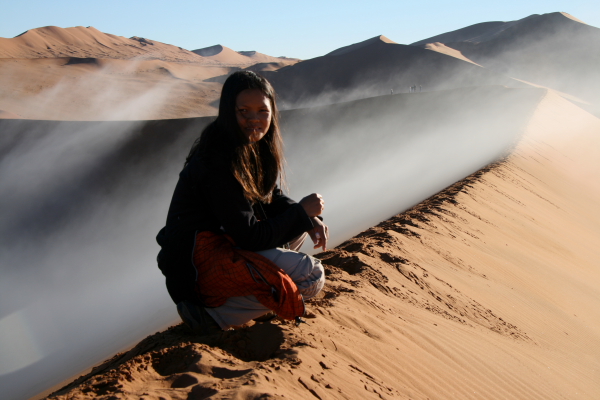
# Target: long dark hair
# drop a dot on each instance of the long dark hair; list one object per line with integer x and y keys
{"x": 256, "y": 165}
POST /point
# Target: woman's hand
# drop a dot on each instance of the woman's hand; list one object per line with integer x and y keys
{"x": 313, "y": 204}
{"x": 319, "y": 234}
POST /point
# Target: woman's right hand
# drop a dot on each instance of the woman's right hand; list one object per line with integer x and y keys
{"x": 319, "y": 234}
{"x": 313, "y": 204}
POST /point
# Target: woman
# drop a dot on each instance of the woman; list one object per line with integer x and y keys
{"x": 229, "y": 245}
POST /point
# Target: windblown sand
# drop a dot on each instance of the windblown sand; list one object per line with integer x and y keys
{"x": 487, "y": 290}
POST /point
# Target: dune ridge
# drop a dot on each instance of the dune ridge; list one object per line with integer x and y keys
{"x": 54, "y": 73}
{"x": 485, "y": 290}
{"x": 226, "y": 56}
{"x": 356, "y": 46}
{"x": 442, "y": 48}
{"x": 554, "y": 50}
{"x": 52, "y": 41}
{"x": 376, "y": 67}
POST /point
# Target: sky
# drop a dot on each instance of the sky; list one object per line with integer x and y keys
{"x": 297, "y": 29}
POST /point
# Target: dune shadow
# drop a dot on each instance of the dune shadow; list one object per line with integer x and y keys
{"x": 256, "y": 343}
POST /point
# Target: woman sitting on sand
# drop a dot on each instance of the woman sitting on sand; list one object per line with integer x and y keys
{"x": 229, "y": 248}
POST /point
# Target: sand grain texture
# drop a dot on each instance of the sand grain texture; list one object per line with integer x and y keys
{"x": 487, "y": 290}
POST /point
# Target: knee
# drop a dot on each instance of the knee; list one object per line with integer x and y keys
{"x": 314, "y": 281}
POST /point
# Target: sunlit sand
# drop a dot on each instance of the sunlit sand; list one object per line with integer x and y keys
{"x": 465, "y": 216}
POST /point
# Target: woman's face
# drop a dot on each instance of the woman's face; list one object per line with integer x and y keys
{"x": 253, "y": 112}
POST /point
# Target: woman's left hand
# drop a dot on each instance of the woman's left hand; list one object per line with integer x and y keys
{"x": 319, "y": 234}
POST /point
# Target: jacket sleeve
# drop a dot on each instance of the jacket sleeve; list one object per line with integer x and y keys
{"x": 279, "y": 204}
{"x": 230, "y": 207}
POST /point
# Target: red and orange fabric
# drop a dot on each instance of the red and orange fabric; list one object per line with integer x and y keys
{"x": 227, "y": 271}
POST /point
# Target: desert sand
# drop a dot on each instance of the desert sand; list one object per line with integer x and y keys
{"x": 226, "y": 56}
{"x": 376, "y": 67}
{"x": 49, "y": 73}
{"x": 555, "y": 50}
{"x": 442, "y": 48}
{"x": 487, "y": 290}
{"x": 54, "y": 73}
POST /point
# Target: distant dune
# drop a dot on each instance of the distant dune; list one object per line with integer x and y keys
{"x": 441, "y": 48}
{"x": 359, "y": 45}
{"x": 107, "y": 89}
{"x": 375, "y": 67}
{"x": 52, "y": 41}
{"x": 554, "y": 50}
{"x": 226, "y": 56}
{"x": 55, "y": 73}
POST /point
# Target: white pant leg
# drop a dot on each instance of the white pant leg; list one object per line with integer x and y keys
{"x": 307, "y": 273}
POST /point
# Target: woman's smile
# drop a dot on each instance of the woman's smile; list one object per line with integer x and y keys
{"x": 253, "y": 112}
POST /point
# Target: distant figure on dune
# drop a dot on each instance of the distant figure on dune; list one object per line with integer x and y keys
{"x": 229, "y": 247}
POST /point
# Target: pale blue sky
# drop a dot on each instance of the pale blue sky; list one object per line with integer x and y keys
{"x": 302, "y": 29}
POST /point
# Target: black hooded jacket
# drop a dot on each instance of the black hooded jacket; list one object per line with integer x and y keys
{"x": 209, "y": 198}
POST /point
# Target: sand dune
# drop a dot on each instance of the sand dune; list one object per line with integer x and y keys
{"x": 223, "y": 55}
{"x": 359, "y": 45}
{"x": 442, "y": 48}
{"x": 90, "y": 196}
{"x": 554, "y": 50}
{"x": 53, "y": 73}
{"x": 226, "y": 56}
{"x": 463, "y": 34}
{"x": 373, "y": 68}
{"x": 52, "y": 41}
{"x": 107, "y": 89}
{"x": 487, "y": 290}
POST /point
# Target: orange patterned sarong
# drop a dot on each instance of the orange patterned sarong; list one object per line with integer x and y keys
{"x": 225, "y": 270}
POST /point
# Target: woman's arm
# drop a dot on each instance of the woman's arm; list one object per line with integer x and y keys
{"x": 279, "y": 203}
{"x": 227, "y": 203}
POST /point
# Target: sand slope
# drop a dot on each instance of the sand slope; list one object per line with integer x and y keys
{"x": 79, "y": 73}
{"x": 554, "y": 50}
{"x": 487, "y": 290}
{"x": 376, "y": 67}
{"x": 107, "y": 89}
{"x": 226, "y": 56}
{"x": 442, "y": 48}
{"x": 52, "y": 41}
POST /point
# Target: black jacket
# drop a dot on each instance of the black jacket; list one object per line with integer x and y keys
{"x": 207, "y": 198}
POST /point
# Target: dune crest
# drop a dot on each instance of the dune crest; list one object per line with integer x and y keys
{"x": 356, "y": 46}
{"x": 226, "y": 56}
{"x": 485, "y": 290}
{"x": 52, "y": 41}
{"x": 554, "y": 50}
{"x": 376, "y": 67}
{"x": 572, "y": 17}
{"x": 54, "y": 73}
{"x": 442, "y": 48}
